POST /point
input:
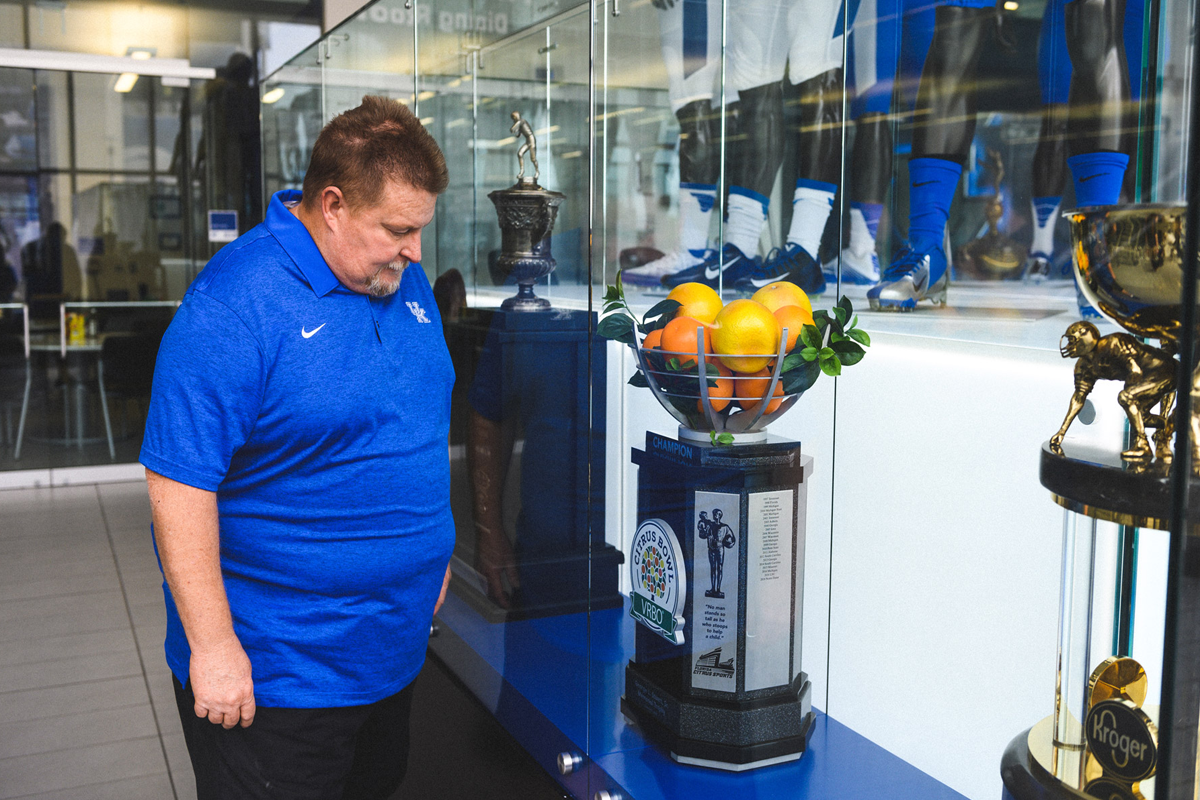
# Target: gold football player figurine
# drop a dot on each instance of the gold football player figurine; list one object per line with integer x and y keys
{"x": 1148, "y": 374}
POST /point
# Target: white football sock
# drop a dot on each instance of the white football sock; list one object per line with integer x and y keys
{"x": 811, "y": 205}
{"x": 1045, "y": 215}
{"x": 747, "y": 215}
{"x": 695, "y": 213}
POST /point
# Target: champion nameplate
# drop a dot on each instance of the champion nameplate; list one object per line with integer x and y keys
{"x": 659, "y": 584}
{"x": 1122, "y": 739}
{"x": 672, "y": 449}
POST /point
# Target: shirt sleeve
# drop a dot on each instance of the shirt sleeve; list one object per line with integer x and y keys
{"x": 206, "y": 396}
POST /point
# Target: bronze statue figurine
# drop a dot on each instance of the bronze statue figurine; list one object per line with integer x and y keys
{"x": 1148, "y": 374}
{"x": 521, "y": 128}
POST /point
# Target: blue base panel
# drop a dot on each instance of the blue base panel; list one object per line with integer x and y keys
{"x": 537, "y": 678}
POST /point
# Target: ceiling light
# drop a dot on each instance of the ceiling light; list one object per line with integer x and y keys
{"x": 273, "y": 96}
{"x": 125, "y": 82}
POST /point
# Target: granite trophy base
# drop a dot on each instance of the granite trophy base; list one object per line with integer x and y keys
{"x": 532, "y": 372}
{"x": 734, "y": 737}
{"x": 730, "y": 694}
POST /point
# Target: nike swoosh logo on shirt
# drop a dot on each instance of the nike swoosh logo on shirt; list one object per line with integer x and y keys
{"x": 309, "y": 334}
{"x": 923, "y": 183}
{"x": 1090, "y": 177}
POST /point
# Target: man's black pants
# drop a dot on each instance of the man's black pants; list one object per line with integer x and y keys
{"x": 351, "y": 753}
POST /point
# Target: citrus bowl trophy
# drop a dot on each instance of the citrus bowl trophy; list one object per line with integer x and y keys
{"x": 717, "y": 559}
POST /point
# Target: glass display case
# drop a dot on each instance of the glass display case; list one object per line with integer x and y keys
{"x": 854, "y": 559}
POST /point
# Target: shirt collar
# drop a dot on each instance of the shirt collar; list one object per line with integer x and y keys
{"x": 298, "y": 242}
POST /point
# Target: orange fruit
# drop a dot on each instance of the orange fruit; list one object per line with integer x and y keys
{"x": 697, "y": 301}
{"x": 793, "y": 318}
{"x": 653, "y": 339}
{"x": 750, "y": 408}
{"x": 751, "y": 389}
{"x": 719, "y": 395}
{"x": 679, "y": 337}
{"x": 782, "y": 293}
{"x": 745, "y": 335}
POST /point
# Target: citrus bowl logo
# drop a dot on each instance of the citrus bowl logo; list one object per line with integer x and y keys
{"x": 656, "y": 574}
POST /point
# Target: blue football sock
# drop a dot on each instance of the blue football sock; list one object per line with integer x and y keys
{"x": 1098, "y": 177}
{"x": 931, "y": 186}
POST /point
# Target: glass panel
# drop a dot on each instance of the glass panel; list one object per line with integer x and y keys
{"x": 908, "y": 146}
{"x": 118, "y": 122}
{"x": 54, "y": 120}
{"x": 18, "y": 128}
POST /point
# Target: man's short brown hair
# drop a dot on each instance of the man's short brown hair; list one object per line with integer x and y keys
{"x": 360, "y": 149}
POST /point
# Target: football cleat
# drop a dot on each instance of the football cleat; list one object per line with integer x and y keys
{"x": 731, "y": 263}
{"x": 792, "y": 264}
{"x": 911, "y": 278}
{"x": 652, "y": 273}
{"x": 858, "y": 269}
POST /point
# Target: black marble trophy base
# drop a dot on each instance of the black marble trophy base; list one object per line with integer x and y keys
{"x": 710, "y": 733}
{"x": 1025, "y": 779}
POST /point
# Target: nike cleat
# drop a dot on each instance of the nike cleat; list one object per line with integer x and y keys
{"x": 730, "y": 263}
{"x": 1037, "y": 268}
{"x": 652, "y": 273}
{"x": 792, "y": 264}
{"x": 858, "y": 269}
{"x": 909, "y": 280}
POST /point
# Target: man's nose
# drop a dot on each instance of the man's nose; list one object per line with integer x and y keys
{"x": 411, "y": 249}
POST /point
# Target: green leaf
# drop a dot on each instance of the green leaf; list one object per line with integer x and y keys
{"x": 661, "y": 308}
{"x": 810, "y": 336}
{"x": 849, "y": 353}
{"x": 725, "y": 438}
{"x": 793, "y": 361}
{"x": 711, "y": 369}
{"x": 859, "y": 336}
{"x": 620, "y": 286}
{"x": 846, "y": 307}
{"x": 801, "y": 379}
{"x": 854, "y": 322}
{"x": 712, "y": 437}
{"x": 611, "y": 307}
{"x": 639, "y": 380}
{"x": 831, "y": 366}
{"x": 810, "y": 353}
{"x": 611, "y": 295}
{"x": 840, "y": 315}
{"x": 615, "y": 326}
{"x": 826, "y": 352}
{"x": 690, "y": 364}
{"x": 673, "y": 364}
{"x": 836, "y": 337}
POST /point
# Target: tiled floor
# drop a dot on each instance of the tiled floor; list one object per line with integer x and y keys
{"x": 86, "y": 705}
{"x": 87, "y": 711}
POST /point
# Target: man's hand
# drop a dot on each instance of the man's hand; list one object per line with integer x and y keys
{"x": 442, "y": 597}
{"x": 221, "y": 682}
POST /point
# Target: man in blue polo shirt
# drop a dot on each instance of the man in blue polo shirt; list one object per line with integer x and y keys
{"x": 296, "y": 454}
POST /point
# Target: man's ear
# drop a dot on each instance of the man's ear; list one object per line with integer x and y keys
{"x": 333, "y": 206}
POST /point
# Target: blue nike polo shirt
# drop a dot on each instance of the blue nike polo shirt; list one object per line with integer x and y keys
{"x": 320, "y": 417}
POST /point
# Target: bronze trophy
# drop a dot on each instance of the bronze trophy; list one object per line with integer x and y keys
{"x": 1129, "y": 263}
{"x": 993, "y": 256}
{"x": 527, "y": 213}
